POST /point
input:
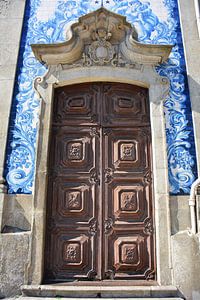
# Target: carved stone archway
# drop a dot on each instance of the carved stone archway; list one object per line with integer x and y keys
{"x": 103, "y": 46}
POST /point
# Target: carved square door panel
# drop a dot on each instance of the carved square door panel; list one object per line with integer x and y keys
{"x": 129, "y": 149}
{"x": 100, "y": 197}
{"x": 77, "y": 105}
{"x": 129, "y": 254}
{"x": 125, "y": 105}
{"x": 74, "y": 150}
{"x": 127, "y": 200}
{"x": 73, "y": 199}
{"x": 72, "y": 254}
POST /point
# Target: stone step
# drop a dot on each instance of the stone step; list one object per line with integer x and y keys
{"x": 45, "y": 298}
{"x": 73, "y": 291}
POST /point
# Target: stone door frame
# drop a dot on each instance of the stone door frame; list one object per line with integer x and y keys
{"x": 103, "y": 47}
{"x": 158, "y": 89}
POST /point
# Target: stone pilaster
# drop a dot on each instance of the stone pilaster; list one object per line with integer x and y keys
{"x": 11, "y": 20}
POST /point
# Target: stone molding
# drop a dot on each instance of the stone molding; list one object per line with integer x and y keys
{"x": 102, "y": 38}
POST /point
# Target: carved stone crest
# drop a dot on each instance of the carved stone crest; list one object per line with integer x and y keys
{"x": 101, "y": 52}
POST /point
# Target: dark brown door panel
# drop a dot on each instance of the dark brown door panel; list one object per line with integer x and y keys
{"x": 74, "y": 200}
{"x": 100, "y": 222}
{"x": 77, "y": 105}
{"x": 128, "y": 200}
{"x": 72, "y": 255}
{"x": 127, "y": 149}
{"x": 125, "y": 105}
{"x": 75, "y": 150}
{"x": 129, "y": 254}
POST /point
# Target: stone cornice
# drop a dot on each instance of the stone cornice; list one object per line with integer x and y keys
{"x": 102, "y": 38}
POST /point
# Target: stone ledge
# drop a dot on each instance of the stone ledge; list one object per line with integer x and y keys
{"x": 44, "y": 298}
{"x": 72, "y": 291}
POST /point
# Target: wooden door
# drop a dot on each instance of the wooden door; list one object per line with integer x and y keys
{"x": 99, "y": 200}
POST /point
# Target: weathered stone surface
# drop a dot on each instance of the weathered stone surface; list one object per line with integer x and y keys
{"x": 14, "y": 254}
{"x": 180, "y": 213}
{"x": 4, "y": 5}
{"x": 186, "y": 261}
{"x": 11, "y": 9}
{"x": 13, "y": 26}
{"x": 101, "y": 290}
{"x": 17, "y": 212}
{"x": 107, "y": 298}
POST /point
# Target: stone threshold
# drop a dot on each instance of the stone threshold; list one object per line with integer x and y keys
{"x": 43, "y": 298}
{"x": 73, "y": 291}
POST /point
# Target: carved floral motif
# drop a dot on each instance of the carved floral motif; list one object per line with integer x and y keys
{"x": 94, "y": 178}
{"x": 127, "y": 152}
{"x": 94, "y": 132}
{"x": 148, "y": 177}
{"x": 73, "y": 200}
{"x": 108, "y": 175}
{"x": 75, "y": 151}
{"x": 148, "y": 227}
{"x": 128, "y": 201}
{"x": 93, "y": 227}
{"x": 72, "y": 252}
{"x": 108, "y": 225}
{"x": 129, "y": 253}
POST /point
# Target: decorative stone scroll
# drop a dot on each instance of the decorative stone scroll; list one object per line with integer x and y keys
{"x": 102, "y": 38}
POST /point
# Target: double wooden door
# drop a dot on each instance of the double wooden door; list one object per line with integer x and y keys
{"x": 99, "y": 206}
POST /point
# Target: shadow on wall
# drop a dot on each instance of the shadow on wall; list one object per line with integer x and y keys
{"x": 17, "y": 213}
{"x": 194, "y": 88}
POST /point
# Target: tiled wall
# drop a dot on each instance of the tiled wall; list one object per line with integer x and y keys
{"x": 157, "y": 22}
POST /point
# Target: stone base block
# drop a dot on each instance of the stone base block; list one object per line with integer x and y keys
{"x": 72, "y": 291}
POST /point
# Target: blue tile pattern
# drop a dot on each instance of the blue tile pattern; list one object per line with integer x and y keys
{"x": 152, "y": 28}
